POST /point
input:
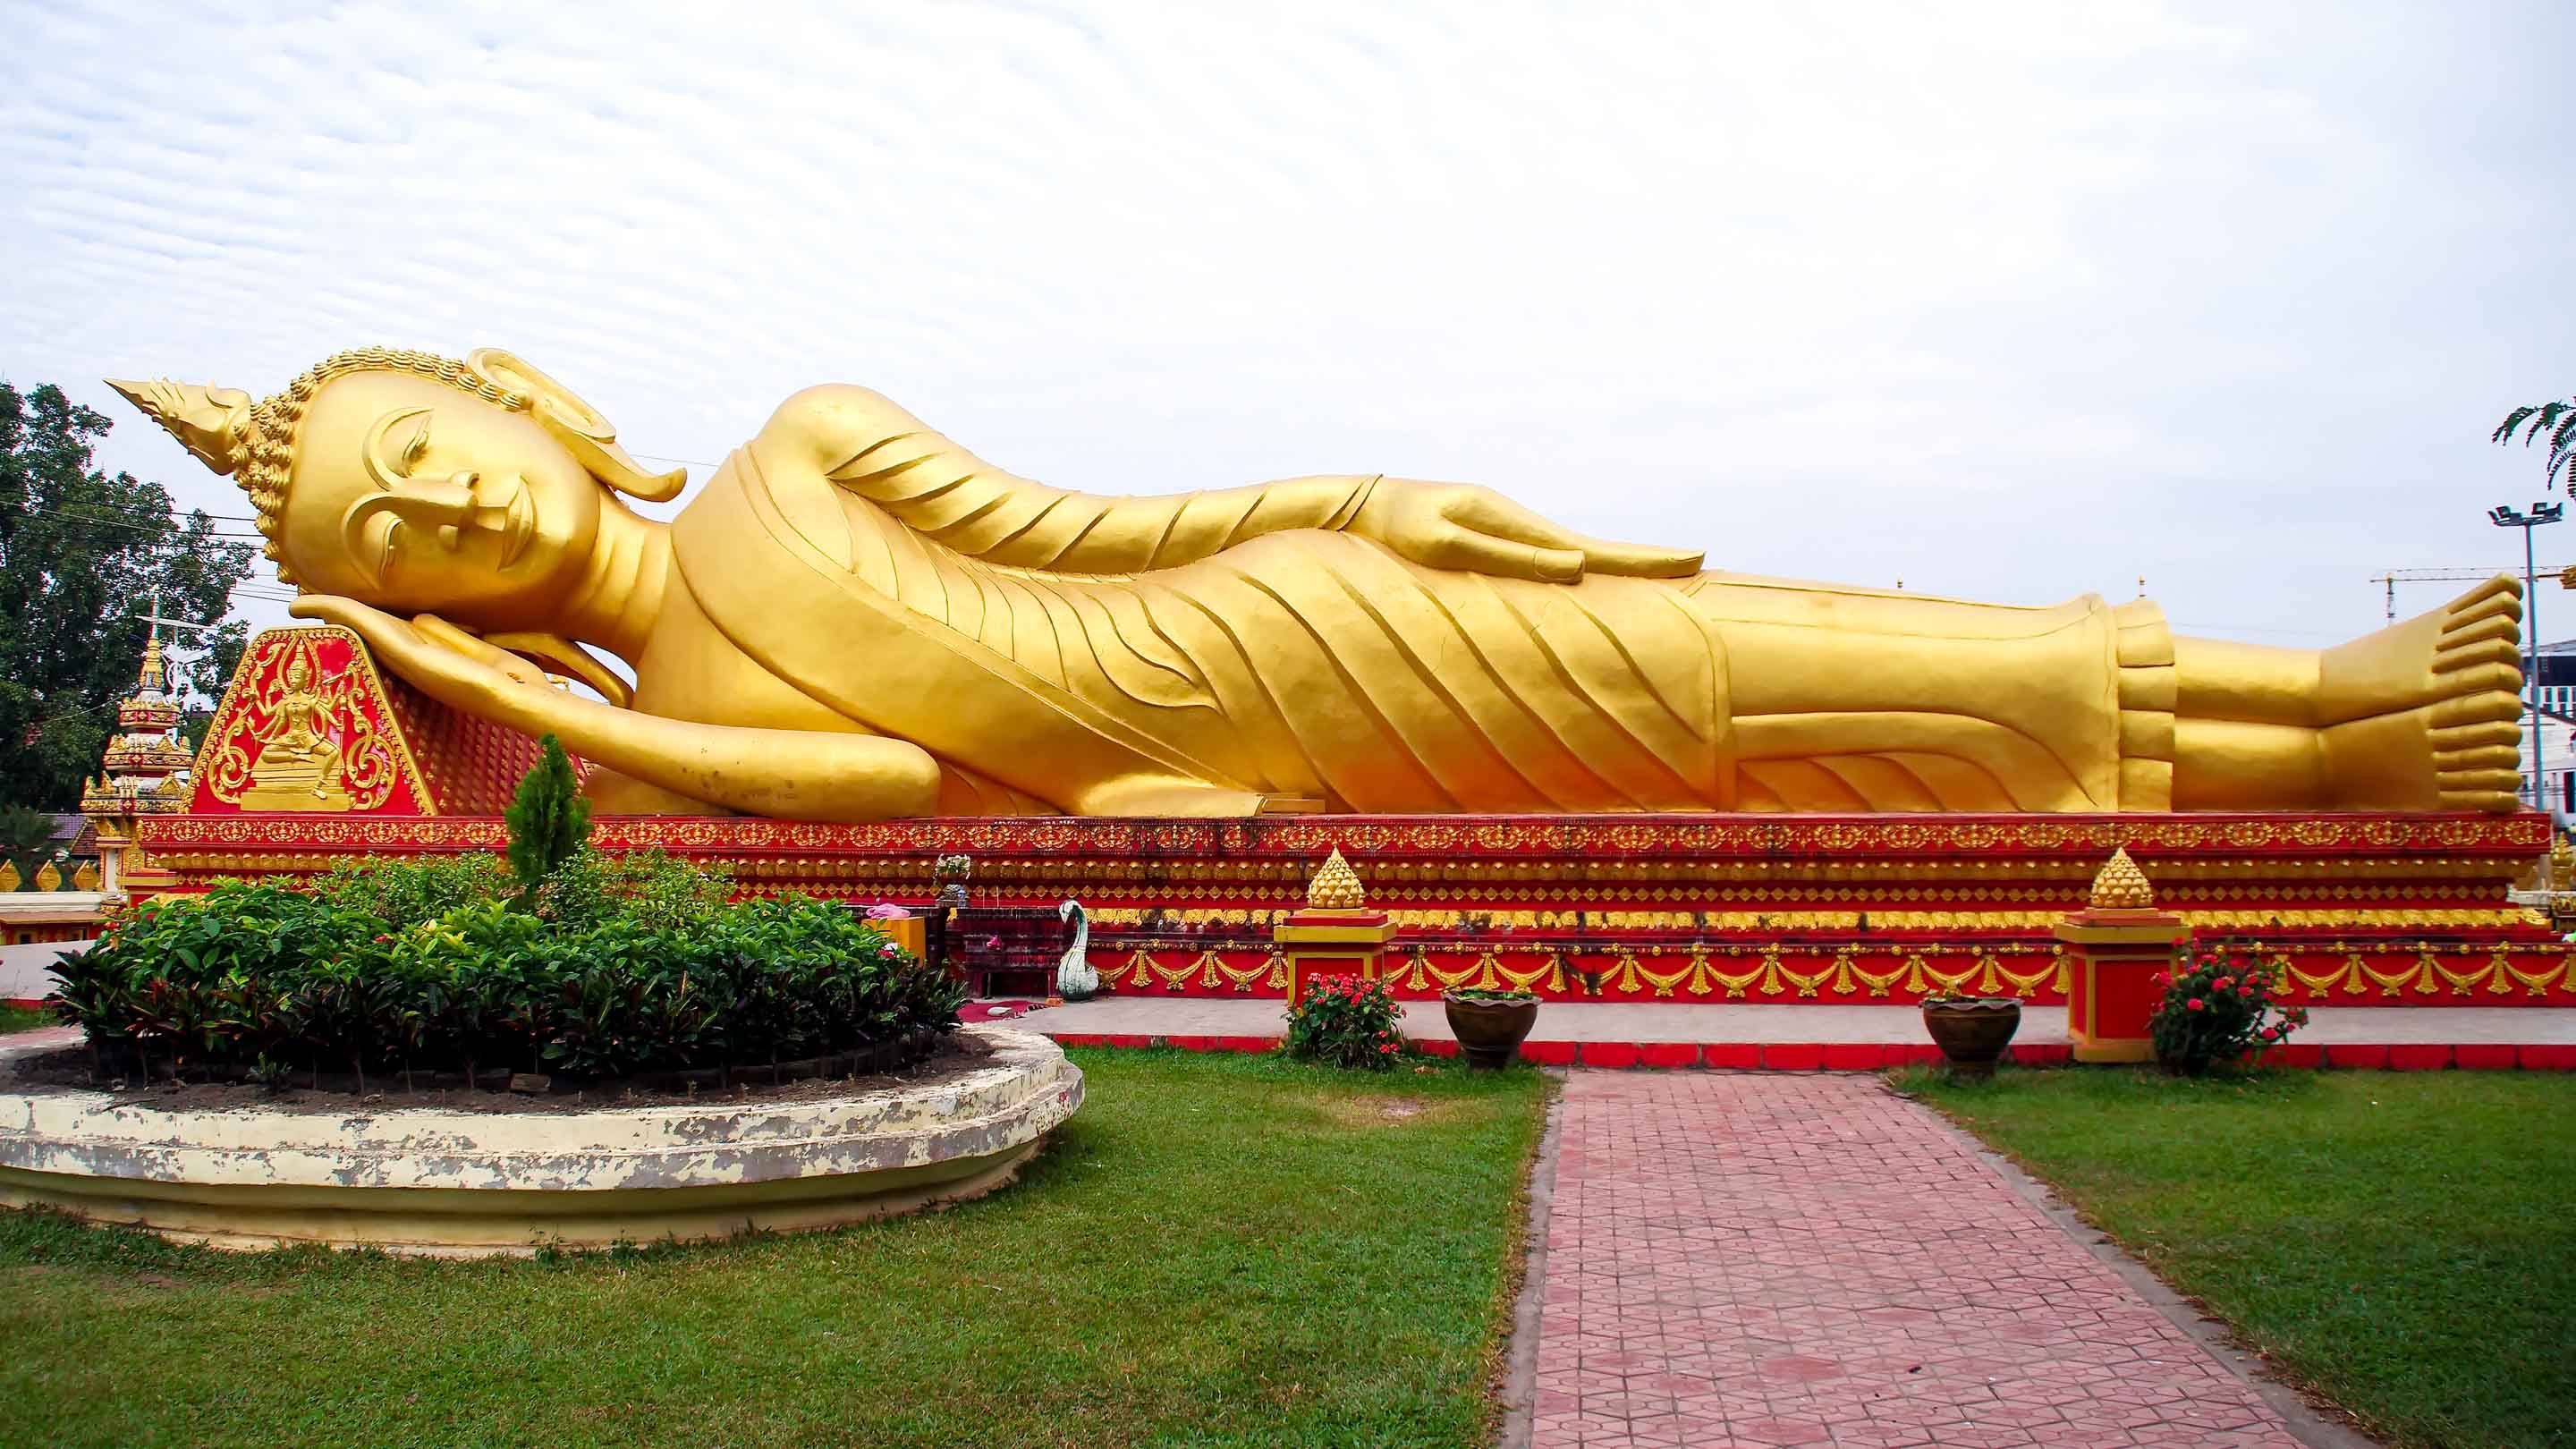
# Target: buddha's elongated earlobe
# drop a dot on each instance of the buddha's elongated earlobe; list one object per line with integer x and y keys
{"x": 578, "y": 426}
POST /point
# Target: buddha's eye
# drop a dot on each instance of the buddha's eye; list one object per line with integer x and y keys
{"x": 395, "y": 446}
{"x": 408, "y": 456}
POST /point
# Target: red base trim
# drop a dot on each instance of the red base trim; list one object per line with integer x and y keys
{"x": 1878, "y": 1056}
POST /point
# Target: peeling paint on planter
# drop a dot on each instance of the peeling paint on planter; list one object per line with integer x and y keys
{"x": 459, "y": 1183}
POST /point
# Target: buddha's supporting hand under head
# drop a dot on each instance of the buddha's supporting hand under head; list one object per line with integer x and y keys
{"x": 1477, "y": 530}
{"x": 443, "y": 661}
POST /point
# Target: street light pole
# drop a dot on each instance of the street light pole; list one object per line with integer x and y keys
{"x": 2504, "y": 516}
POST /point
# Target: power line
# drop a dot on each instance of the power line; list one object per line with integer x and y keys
{"x": 174, "y": 509}
{"x": 79, "y": 513}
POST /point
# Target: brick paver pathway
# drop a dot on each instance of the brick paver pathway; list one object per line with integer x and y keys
{"x": 1769, "y": 1259}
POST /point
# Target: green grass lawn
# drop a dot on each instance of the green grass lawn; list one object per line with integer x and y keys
{"x": 24, "y": 1018}
{"x": 1216, "y": 1250}
{"x": 2402, "y": 1242}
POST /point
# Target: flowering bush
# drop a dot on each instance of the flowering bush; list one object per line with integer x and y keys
{"x": 1346, "y": 1021}
{"x": 2217, "y": 1009}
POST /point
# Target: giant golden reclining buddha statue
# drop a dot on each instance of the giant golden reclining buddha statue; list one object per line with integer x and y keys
{"x": 857, "y": 619}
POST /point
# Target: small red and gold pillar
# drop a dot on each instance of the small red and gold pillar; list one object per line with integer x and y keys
{"x": 2115, "y": 946}
{"x": 1336, "y": 934}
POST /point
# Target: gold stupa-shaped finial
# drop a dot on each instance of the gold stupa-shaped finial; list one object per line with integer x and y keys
{"x": 213, "y": 422}
{"x": 2122, "y": 886}
{"x": 1336, "y": 887}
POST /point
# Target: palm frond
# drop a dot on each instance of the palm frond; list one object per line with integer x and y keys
{"x": 2557, "y": 419}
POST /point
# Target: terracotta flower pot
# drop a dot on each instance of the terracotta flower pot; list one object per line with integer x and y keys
{"x": 1489, "y": 1032}
{"x": 1972, "y": 1031}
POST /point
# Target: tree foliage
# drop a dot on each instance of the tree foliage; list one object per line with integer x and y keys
{"x": 2554, "y": 421}
{"x": 548, "y": 821}
{"x": 81, "y": 554}
{"x": 26, "y": 836}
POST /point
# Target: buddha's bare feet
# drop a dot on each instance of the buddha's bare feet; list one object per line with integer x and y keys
{"x": 2439, "y": 690}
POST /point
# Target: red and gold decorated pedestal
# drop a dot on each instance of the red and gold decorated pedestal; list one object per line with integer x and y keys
{"x": 1336, "y": 934}
{"x": 2349, "y": 909}
{"x": 2114, "y": 948}
{"x": 1332, "y": 943}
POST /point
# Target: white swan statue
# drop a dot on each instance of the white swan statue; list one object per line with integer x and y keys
{"x": 1074, "y": 978}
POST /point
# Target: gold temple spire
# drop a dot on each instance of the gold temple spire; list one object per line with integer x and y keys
{"x": 2121, "y": 886}
{"x": 1336, "y": 887}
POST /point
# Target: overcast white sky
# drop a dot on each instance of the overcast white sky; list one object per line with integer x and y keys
{"x": 2012, "y": 302}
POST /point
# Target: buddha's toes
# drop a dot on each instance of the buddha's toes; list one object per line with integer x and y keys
{"x": 2443, "y": 686}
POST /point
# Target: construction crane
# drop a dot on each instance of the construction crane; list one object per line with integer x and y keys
{"x": 2390, "y": 580}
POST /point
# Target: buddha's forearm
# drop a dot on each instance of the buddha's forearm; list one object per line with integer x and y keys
{"x": 1041, "y": 527}
{"x": 785, "y": 774}
{"x": 867, "y": 444}
{"x": 943, "y": 492}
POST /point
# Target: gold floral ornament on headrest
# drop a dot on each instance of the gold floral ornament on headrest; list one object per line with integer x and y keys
{"x": 2121, "y": 886}
{"x": 254, "y": 443}
{"x": 1336, "y": 887}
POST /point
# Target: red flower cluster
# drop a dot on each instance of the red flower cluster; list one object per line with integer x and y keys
{"x": 1346, "y": 1020}
{"x": 2218, "y": 1008}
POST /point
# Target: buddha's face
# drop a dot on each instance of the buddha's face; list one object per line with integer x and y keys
{"x": 418, "y": 497}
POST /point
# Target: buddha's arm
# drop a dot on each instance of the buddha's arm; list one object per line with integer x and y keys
{"x": 785, "y": 774}
{"x": 866, "y": 443}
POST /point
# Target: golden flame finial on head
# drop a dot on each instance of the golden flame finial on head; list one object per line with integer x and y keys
{"x": 2122, "y": 886}
{"x": 1336, "y": 887}
{"x": 214, "y": 422}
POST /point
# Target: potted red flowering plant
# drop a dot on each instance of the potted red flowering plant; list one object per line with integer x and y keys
{"x": 2216, "y": 1009}
{"x": 1347, "y": 1021}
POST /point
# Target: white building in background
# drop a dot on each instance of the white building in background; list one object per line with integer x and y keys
{"x": 2557, "y": 696}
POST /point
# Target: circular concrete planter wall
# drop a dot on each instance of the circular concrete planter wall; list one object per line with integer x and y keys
{"x": 468, "y": 1184}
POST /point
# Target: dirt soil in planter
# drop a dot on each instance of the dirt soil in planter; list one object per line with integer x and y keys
{"x": 68, "y": 1070}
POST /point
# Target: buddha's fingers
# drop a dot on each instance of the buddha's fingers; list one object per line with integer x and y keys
{"x": 439, "y": 631}
{"x": 1475, "y": 553}
{"x": 1639, "y": 560}
{"x": 1492, "y": 513}
{"x": 2492, "y": 802}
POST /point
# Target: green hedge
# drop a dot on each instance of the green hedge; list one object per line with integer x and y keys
{"x": 624, "y": 967}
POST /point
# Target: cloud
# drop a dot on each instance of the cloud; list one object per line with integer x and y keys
{"x": 2013, "y": 302}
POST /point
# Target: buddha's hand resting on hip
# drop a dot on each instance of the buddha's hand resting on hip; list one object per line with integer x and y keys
{"x": 1477, "y": 530}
